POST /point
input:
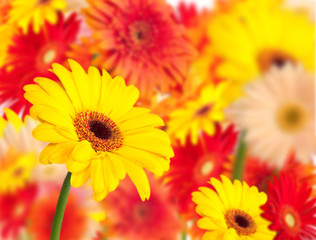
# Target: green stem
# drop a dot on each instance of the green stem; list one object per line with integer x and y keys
{"x": 183, "y": 236}
{"x": 240, "y": 157}
{"x": 60, "y": 208}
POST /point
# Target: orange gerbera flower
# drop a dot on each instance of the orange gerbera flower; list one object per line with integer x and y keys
{"x": 140, "y": 41}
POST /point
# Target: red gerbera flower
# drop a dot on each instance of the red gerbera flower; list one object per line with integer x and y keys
{"x": 194, "y": 165}
{"x": 14, "y": 210}
{"x": 131, "y": 219}
{"x": 290, "y": 209}
{"x": 31, "y": 55}
{"x": 140, "y": 40}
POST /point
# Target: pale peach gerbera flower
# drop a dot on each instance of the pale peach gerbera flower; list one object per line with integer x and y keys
{"x": 278, "y": 114}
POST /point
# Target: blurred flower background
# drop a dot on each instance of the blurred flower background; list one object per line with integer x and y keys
{"x": 233, "y": 81}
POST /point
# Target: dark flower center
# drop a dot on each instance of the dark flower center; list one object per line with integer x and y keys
{"x": 268, "y": 58}
{"x": 279, "y": 62}
{"x": 141, "y": 34}
{"x": 100, "y": 129}
{"x": 204, "y": 110}
{"x": 241, "y": 221}
{"x": 43, "y": 1}
{"x": 96, "y": 128}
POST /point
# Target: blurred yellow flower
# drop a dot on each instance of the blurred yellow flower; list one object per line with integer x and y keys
{"x": 18, "y": 151}
{"x": 92, "y": 126}
{"x": 199, "y": 114}
{"x": 15, "y": 170}
{"x": 251, "y": 36}
{"x": 232, "y": 211}
{"x": 35, "y": 12}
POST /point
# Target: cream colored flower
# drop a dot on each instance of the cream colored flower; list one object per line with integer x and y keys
{"x": 278, "y": 114}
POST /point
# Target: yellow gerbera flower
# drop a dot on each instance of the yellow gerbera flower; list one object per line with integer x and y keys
{"x": 35, "y": 12}
{"x": 18, "y": 151}
{"x": 251, "y": 36}
{"x": 199, "y": 114}
{"x": 15, "y": 169}
{"x": 92, "y": 126}
{"x": 232, "y": 211}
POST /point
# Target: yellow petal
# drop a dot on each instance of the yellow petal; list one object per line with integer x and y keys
{"x": 139, "y": 178}
{"x": 57, "y": 93}
{"x": 67, "y": 81}
{"x": 47, "y": 133}
{"x": 97, "y": 175}
{"x": 57, "y": 153}
{"x": 110, "y": 175}
{"x": 149, "y": 144}
{"x": 83, "y": 152}
{"x": 13, "y": 118}
{"x": 80, "y": 178}
{"x": 125, "y": 102}
{"x": 51, "y": 115}
{"x": 81, "y": 82}
{"x": 95, "y": 86}
{"x": 152, "y": 162}
{"x": 117, "y": 163}
{"x": 112, "y": 95}
{"x": 141, "y": 121}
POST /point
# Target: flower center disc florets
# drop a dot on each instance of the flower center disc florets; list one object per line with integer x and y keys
{"x": 241, "y": 221}
{"x": 292, "y": 117}
{"x": 99, "y": 130}
{"x": 270, "y": 57}
{"x": 291, "y": 220}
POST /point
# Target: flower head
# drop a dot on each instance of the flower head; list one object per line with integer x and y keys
{"x": 140, "y": 41}
{"x": 35, "y": 13}
{"x": 281, "y": 104}
{"x": 31, "y": 55}
{"x": 232, "y": 211}
{"x": 199, "y": 114}
{"x": 251, "y": 36}
{"x": 290, "y": 209}
{"x": 92, "y": 126}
